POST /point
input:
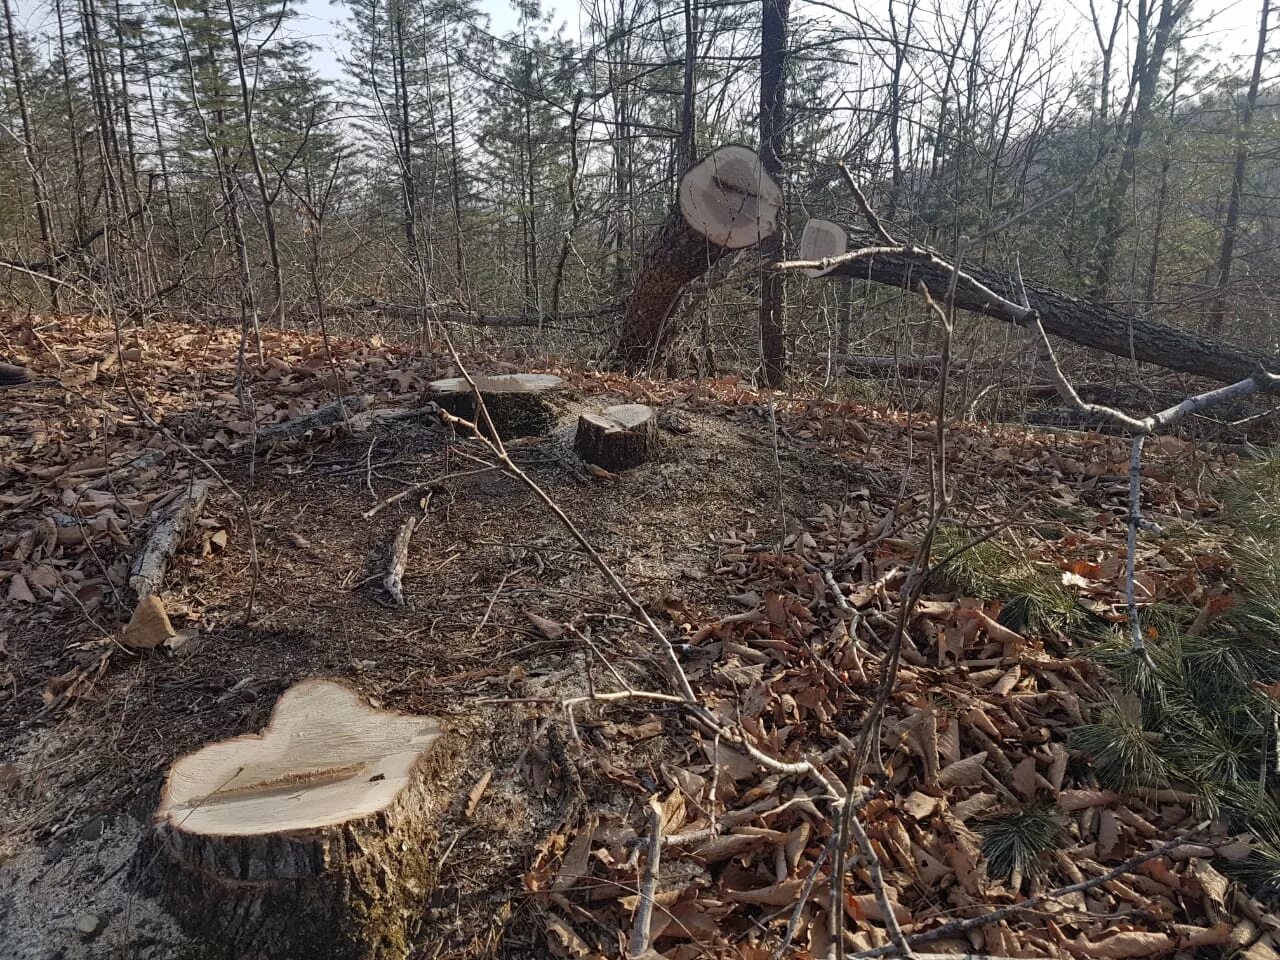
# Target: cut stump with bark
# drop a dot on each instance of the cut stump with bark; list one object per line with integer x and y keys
{"x": 309, "y": 840}
{"x": 517, "y": 402}
{"x": 726, "y": 202}
{"x": 618, "y": 438}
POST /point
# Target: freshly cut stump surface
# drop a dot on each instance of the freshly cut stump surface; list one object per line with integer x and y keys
{"x": 309, "y": 840}
{"x": 517, "y": 402}
{"x": 618, "y": 438}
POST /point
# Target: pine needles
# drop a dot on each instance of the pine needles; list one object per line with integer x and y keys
{"x": 1035, "y": 598}
{"x": 1014, "y": 844}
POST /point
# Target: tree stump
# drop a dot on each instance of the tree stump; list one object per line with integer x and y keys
{"x": 618, "y": 438}
{"x": 516, "y": 402}
{"x": 309, "y": 840}
{"x": 726, "y": 202}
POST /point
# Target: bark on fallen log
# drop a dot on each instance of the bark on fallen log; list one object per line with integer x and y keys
{"x": 311, "y": 839}
{"x": 726, "y": 203}
{"x": 1072, "y": 318}
{"x": 164, "y": 536}
{"x": 397, "y": 559}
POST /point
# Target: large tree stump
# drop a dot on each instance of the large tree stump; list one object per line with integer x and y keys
{"x": 726, "y": 202}
{"x": 618, "y": 438}
{"x": 516, "y": 402}
{"x": 309, "y": 840}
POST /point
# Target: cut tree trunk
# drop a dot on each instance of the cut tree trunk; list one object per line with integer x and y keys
{"x": 618, "y": 438}
{"x": 312, "y": 839}
{"x": 517, "y": 402}
{"x": 165, "y": 534}
{"x": 1071, "y": 318}
{"x": 726, "y": 202}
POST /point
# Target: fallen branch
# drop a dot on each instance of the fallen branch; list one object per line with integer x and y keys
{"x": 393, "y": 580}
{"x": 639, "y": 943}
{"x": 164, "y": 536}
{"x": 325, "y": 416}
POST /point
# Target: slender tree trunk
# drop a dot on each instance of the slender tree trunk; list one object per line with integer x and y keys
{"x": 575, "y": 209}
{"x": 126, "y": 110}
{"x": 264, "y": 195}
{"x": 73, "y": 124}
{"x": 1231, "y": 228}
{"x": 1162, "y": 192}
{"x": 773, "y": 132}
{"x": 43, "y": 217}
{"x": 455, "y": 186}
{"x": 687, "y": 147}
{"x": 1147, "y": 74}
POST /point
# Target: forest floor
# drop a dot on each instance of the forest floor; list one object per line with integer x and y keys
{"x": 541, "y": 846}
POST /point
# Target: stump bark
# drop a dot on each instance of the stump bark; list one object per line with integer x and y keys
{"x": 618, "y": 438}
{"x": 310, "y": 840}
{"x": 726, "y": 202}
{"x": 517, "y": 402}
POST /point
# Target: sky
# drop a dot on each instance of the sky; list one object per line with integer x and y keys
{"x": 1230, "y": 25}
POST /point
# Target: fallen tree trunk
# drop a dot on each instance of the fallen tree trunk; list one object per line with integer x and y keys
{"x": 726, "y": 202}
{"x": 1080, "y": 321}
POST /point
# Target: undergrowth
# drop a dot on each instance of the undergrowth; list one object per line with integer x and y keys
{"x": 1201, "y": 716}
{"x": 1034, "y": 596}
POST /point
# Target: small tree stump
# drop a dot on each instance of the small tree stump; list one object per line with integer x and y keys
{"x": 618, "y": 438}
{"x": 311, "y": 839}
{"x": 516, "y": 402}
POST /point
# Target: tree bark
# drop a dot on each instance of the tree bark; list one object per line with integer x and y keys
{"x": 1078, "y": 320}
{"x": 773, "y": 127}
{"x": 726, "y": 202}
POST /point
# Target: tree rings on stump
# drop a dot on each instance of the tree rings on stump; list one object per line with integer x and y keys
{"x": 309, "y": 840}
{"x": 516, "y": 402}
{"x": 617, "y": 438}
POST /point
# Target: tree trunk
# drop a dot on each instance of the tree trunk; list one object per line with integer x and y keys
{"x": 264, "y": 196}
{"x": 1071, "y": 318}
{"x": 773, "y": 127}
{"x": 29, "y": 151}
{"x": 618, "y": 438}
{"x": 1227, "y": 255}
{"x": 726, "y": 202}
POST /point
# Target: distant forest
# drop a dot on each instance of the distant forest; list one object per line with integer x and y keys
{"x": 184, "y": 157}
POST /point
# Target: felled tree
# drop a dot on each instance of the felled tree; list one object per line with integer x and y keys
{"x": 726, "y": 202}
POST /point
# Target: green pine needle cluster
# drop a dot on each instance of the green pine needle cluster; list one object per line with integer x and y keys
{"x": 1034, "y": 596}
{"x": 1197, "y": 717}
{"x": 1015, "y": 844}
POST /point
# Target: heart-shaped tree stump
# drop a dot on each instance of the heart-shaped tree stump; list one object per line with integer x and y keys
{"x": 617, "y": 438}
{"x": 311, "y": 839}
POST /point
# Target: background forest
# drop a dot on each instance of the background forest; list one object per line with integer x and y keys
{"x": 184, "y": 156}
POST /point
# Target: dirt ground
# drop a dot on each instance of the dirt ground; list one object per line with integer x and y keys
{"x": 85, "y": 775}
{"x": 505, "y": 617}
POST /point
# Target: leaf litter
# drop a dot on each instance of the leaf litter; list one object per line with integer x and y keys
{"x": 781, "y": 628}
